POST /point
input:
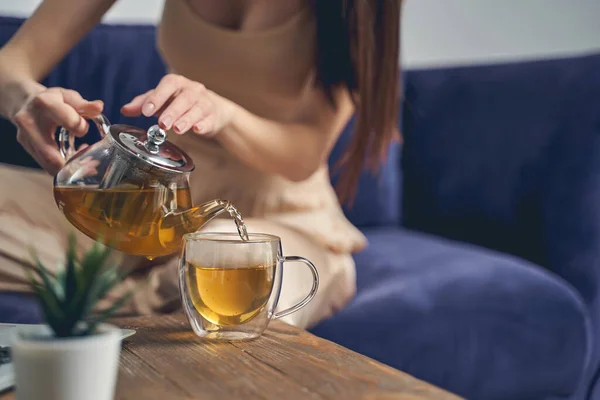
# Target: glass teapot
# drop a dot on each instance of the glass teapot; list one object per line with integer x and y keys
{"x": 130, "y": 190}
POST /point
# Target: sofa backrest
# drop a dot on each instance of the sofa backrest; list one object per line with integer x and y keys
{"x": 114, "y": 63}
{"x": 508, "y": 157}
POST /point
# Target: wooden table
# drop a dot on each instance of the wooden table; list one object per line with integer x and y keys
{"x": 165, "y": 360}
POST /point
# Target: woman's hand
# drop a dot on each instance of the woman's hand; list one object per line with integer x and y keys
{"x": 294, "y": 149}
{"x": 182, "y": 105}
{"x": 40, "y": 116}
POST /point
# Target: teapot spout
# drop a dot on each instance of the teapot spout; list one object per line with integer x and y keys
{"x": 175, "y": 224}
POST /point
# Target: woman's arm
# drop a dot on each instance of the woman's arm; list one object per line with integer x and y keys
{"x": 41, "y": 42}
{"x": 294, "y": 149}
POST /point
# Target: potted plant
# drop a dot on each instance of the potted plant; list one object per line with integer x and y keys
{"x": 75, "y": 355}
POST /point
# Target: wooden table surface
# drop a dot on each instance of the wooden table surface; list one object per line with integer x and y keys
{"x": 165, "y": 360}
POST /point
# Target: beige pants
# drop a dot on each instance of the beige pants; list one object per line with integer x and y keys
{"x": 29, "y": 218}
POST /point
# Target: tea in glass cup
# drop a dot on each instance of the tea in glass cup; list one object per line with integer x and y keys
{"x": 230, "y": 287}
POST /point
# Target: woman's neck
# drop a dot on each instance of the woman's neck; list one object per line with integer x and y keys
{"x": 247, "y": 15}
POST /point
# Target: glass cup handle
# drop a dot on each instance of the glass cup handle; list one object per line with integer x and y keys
{"x": 309, "y": 296}
{"x": 66, "y": 141}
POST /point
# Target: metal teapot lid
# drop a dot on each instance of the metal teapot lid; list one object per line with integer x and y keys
{"x": 152, "y": 146}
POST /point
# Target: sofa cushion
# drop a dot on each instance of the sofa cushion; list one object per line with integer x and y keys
{"x": 19, "y": 308}
{"x": 478, "y": 323}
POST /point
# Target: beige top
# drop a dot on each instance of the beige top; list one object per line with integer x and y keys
{"x": 269, "y": 73}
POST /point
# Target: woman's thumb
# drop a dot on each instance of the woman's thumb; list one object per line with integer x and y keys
{"x": 83, "y": 106}
{"x": 91, "y": 108}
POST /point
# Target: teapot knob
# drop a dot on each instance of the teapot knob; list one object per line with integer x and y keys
{"x": 156, "y": 137}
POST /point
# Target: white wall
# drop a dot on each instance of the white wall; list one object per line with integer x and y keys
{"x": 447, "y": 32}
{"x": 122, "y": 11}
{"x": 466, "y": 31}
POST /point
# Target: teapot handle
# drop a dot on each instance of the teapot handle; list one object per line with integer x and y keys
{"x": 66, "y": 141}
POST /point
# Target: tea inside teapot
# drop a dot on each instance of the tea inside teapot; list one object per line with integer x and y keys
{"x": 130, "y": 191}
{"x": 144, "y": 221}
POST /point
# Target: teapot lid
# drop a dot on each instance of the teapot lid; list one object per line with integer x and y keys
{"x": 152, "y": 147}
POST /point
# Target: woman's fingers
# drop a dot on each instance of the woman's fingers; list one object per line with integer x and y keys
{"x": 66, "y": 108}
{"x": 72, "y": 100}
{"x": 205, "y": 126}
{"x": 80, "y": 104}
{"x": 168, "y": 87}
{"x": 34, "y": 134}
{"x": 91, "y": 109}
{"x": 134, "y": 107}
{"x": 39, "y": 117}
{"x": 179, "y": 103}
{"x": 66, "y": 117}
{"x": 42, "y": 148}
{"x": 188, "y": 98}
{"x": 52, "y": 105}
{"x": 200, "y": 111}
{"x": 189, "y": 119}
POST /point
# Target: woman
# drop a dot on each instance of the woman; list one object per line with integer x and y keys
{"x": 258, "y": 94}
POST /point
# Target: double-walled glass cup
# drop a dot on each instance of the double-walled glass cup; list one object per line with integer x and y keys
{"x": 230, "y": 288}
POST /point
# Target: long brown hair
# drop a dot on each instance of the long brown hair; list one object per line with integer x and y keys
{"x": 358, "y": 45}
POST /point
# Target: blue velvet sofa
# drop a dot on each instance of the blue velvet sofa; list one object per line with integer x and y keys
{"x": 483, "y": 266}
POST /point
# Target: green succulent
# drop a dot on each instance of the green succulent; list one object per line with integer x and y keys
{"x": 68, "y": 299}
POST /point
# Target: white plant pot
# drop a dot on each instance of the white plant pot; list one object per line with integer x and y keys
{"x": 65, "y": 369}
